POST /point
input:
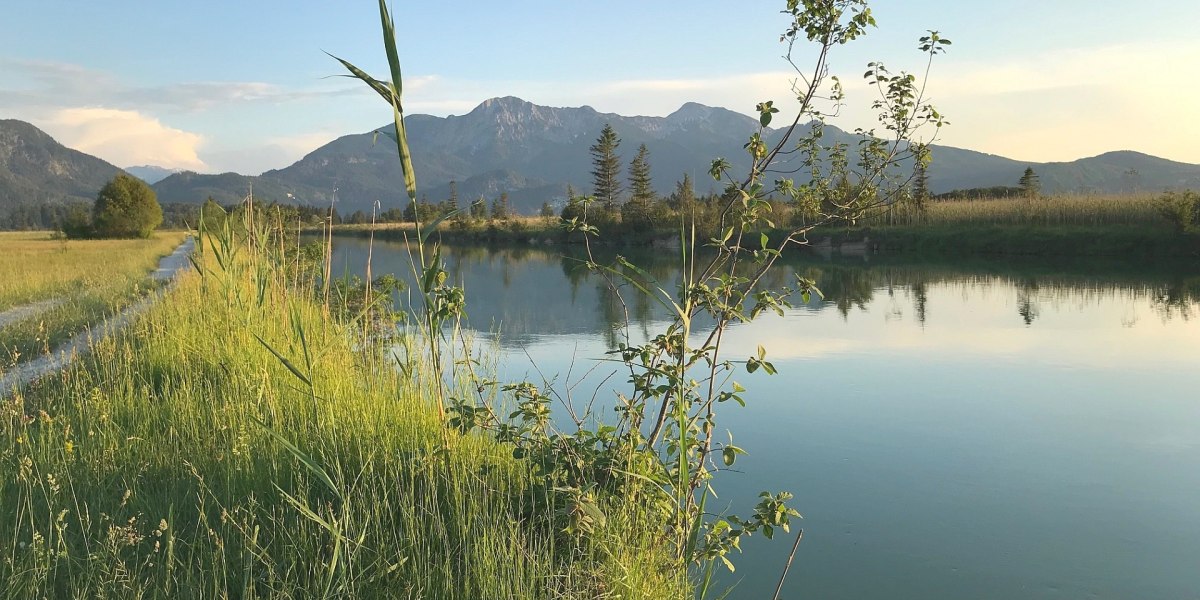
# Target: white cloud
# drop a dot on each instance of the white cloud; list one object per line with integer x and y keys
{"x": 125, "y": 138}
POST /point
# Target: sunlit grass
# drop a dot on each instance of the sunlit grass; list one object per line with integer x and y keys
{"x": 1049, "y": 211}
{"x": 92, "y": 279}
{"x": 154, "y": 467}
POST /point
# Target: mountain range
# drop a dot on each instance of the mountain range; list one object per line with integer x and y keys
{"x": 532, "y": 152}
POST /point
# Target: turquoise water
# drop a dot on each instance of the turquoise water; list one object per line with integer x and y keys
{"x": 949, "y": 430}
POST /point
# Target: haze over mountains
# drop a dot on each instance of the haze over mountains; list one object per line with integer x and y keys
{"x": 150, "y": 173}
{"x": 531, "y": 152}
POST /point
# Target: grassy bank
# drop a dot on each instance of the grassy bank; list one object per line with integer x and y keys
{"x": 92, "y": 278}
{"x": 1139, "y": 241}
{"x": 184, "y": 458}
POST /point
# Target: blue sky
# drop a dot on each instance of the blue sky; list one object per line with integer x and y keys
{"x": 224, "y": 85}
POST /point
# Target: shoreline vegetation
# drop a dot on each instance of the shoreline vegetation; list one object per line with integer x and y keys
{"x": 1067, "y": 225}
{"x": 243, "y": 438}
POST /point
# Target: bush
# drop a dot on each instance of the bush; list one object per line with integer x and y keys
{"x": 125, "y": 208}
{"x": 1181, "y": 209}
{"x": 77, "y": 223}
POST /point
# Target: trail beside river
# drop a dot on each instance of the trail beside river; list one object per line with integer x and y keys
{"x": 25, "y": 373}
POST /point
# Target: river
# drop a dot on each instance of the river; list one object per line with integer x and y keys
{"x": 951, "y": 429}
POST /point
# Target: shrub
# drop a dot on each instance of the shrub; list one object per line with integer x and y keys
{"x": 77, "y": 223}
{"x": 1182, "y": 209}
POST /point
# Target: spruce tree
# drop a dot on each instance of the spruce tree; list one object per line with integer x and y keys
{"x": 640, "y": 186}
{"x": 479, "y": 210}
{"x": 500, "y": 210}
{"x": 606, "y": 169}
{"x": 638, "y": 213}
{"x": 920, "y": 187}
{"x": 1031, "y": 185}
{"x": 684, "y": 196}
{"x": 452, "y": 202}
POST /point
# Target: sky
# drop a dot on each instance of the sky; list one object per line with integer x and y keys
{"x": 246, "y": 86}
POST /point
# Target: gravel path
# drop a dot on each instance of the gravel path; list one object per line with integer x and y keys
{"x": 25, "y": 311}
{"x": 25, "y": 373}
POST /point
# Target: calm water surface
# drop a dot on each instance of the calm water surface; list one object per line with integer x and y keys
{"x": 949, "y": 430}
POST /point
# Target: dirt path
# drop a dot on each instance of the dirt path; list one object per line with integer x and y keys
{"x": 25, "y": 373}
{"x": 20, "y": 313}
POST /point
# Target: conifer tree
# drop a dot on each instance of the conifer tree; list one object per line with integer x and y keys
{"x": 606, "y": 169}
{"x": 920, "y": 187}
{"x": 640, "y": 185}
{"x": 500, "y": 210}
{"x": 1031, "y": 185}
{"x": 684, "y": 196}
{"x": 452, "y": 202}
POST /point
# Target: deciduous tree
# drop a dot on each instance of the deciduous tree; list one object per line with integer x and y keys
{"x": 126, "y": 207}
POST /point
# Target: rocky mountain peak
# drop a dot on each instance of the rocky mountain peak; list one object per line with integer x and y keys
{"x": 691, "y": 111}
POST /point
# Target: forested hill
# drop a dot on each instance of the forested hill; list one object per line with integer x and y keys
{"x": 39, "y": 176}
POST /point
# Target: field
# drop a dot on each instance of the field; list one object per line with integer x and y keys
{"x": 87, "y": 280}
{"x": 238, "y": 441}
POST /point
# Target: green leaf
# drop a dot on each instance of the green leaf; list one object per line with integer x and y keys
{"x": 303, "y": 457}
{"x": 287, "y": 363}
{"x": 380, "y": 87}
{"x": 728, "y": 564}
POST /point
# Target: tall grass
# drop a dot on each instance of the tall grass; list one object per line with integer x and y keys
{"x": 1051, "y": 211}
{"x": 92, "y": 279}
{"x": 239, "y": 442}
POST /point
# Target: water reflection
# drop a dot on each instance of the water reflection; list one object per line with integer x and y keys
{"x": 528, "y": 292}
{"x": 951, "y": 430}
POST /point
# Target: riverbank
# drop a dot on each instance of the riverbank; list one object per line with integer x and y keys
{"x": 981, "y": 240}
{"x": 239, "y": 440}
{"x": 1022, "y": 240}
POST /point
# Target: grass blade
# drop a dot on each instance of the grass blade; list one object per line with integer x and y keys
{"x": 287, "y": 363}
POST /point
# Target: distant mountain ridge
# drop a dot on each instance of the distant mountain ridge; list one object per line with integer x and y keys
{"x": 533, "y": 152}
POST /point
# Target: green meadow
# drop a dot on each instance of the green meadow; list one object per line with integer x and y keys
{"x": 79, "y": 282}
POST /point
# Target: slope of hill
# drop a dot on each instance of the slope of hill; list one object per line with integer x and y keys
{"x": 36, "y": 170}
